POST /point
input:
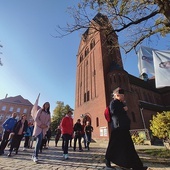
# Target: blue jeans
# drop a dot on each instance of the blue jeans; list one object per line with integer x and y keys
{"x": 38, "y": 144}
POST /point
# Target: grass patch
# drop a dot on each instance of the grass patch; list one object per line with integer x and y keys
{"x": 159, "y": 153}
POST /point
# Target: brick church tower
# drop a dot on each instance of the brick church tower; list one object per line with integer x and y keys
{"x": 95, "y": 59}
{"x": 99, "y": 72}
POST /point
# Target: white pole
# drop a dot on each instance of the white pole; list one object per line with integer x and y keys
{"x": 141, "y": 112}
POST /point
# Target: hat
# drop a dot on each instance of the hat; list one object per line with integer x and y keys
{"x": 118, "y": 91}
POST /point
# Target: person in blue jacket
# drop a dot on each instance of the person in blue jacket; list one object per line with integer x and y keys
{"x": 8, "y": 126}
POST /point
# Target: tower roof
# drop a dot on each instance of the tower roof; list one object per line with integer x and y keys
{"x": 101, "y": 19}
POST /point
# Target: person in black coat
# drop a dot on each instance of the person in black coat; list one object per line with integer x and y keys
{"x": 58, "y": 135}
{"x": 121, "y": 150}
{"x": 77, "y": 134}
{"x": 19, "y": 130}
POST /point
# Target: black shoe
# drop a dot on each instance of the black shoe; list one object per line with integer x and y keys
{"x": 143, "y": 168}
{"x": 16, "y": 152}
{"x": 9, "y": 155}
{"x": 1, "y": 152}
{"x": 108, "y": 163}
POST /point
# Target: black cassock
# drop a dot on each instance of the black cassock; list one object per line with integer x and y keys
{"x": 121, "y": 150}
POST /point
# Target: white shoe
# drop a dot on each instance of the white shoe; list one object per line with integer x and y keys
{"x": 24, "y": 149}
{"x": 66, "y": 156}
{"x": 35, "y": 159}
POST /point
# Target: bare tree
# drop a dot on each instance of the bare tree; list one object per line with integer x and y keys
{"x": 138, "y": 19}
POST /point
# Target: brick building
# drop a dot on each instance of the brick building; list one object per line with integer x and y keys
{"x": 99, "y": 71}
{"x": 18, "y": 104}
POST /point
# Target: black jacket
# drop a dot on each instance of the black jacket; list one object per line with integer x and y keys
{"x": 78, "y": 129}
{"x": 117, "y": 110}
{"x": 18, "y": 126}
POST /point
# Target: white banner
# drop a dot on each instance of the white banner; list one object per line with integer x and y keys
{"x": 145, "y": 60}
{"x": 35, "y": 108}
{"x": 162, "y": 68}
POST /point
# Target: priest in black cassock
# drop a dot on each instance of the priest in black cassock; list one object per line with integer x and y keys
{"x": 121, "y": 150}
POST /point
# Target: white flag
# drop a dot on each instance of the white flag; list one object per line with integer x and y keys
{"x": 162, "y": 68}
{"x": 145, "y": 60}
{"x": 35, "y": 108}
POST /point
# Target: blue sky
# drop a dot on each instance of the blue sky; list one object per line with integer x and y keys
{"x": 35, "y": 62}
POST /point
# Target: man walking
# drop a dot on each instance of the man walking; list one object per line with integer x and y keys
{"x": 78, "y": 130}
{"x": 88, "y": 133}
{"x": 8, "y": 126}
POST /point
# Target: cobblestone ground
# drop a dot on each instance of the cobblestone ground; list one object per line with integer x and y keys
{"x": 52, "y": 159}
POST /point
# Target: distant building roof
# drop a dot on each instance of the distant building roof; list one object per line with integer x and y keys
{"x": 17, "y": 99}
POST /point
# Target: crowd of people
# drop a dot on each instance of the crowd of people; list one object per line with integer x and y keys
{"x": 120, "y": 150}
{"x": 39, "y": 130}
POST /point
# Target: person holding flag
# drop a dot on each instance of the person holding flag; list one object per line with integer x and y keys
{"x": 42, "y": 122}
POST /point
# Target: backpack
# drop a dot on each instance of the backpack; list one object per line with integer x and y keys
{"x": 107, "y": 114}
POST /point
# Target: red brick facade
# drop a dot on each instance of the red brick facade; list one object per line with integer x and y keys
{"x": 17, "y": 104}
{"x": 99, "y": 72}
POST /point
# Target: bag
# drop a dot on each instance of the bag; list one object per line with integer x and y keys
{"x": 107, "y": 114}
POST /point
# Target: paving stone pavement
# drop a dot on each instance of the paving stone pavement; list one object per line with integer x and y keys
{"x": 52, "y": 159}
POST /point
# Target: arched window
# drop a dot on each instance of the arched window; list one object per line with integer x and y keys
{"x": 81, "y": 58}
{"x": 86, "y": 51}
{"x": 92, "y": 44}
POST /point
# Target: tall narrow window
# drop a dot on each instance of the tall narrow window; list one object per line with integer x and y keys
{"x": 18, "y": 110}
{"x": 92, "y": 44}
{"x": 25, "y": 111}
{"x": 97, "y": 122}
{"x": 11, "y": 109}
{"x": 86, "y": 51}
{"x": 84, "y": 97}
{"x": 3, "y": 108}
{"x": 87, "y": 95}
{"x": 81, "y": 58}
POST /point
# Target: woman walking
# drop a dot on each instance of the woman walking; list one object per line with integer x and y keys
{"x": 19, "y": 130}
{"x": 41, "y": 125}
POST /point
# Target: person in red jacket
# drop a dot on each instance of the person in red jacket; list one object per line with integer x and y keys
{"x": 67, "y": 131}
